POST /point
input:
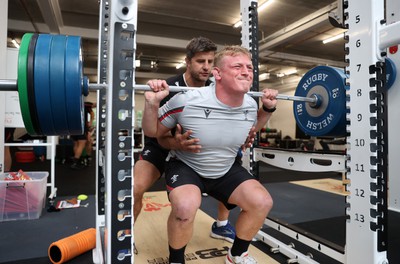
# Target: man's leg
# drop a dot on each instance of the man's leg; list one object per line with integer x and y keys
{"x": 222, "y": 229}
{"x": 185, "y": 201}
{"x": 78, "y": 149}
{"x": 145, "y": 175}
{"x": 255, "y": 203}
{"x": 7, "y": 159}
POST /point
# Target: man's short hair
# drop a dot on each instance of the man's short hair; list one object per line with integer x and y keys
{"x": 199, "y": 44}
{"x": 230, "y": 51}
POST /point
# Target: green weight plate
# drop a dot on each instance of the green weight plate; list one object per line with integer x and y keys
{"x": 22, "y": 82}
{"x": 31, "y": 86}
{"x": 57, "y": 84}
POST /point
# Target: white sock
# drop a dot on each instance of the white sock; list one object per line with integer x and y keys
{"x": 222, "y": 223}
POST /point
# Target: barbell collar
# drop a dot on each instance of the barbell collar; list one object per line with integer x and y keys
{"x": 8, "y": 85}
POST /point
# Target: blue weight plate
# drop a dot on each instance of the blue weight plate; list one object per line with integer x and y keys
{"x": 57, "y": 84}
{"x": 42, "y": 84}
{"x": 73, "y": 84}
{"x": 329, "y": 119}
{"x": 391, "y": 73}
{"x": 85, "y": 86}
{"x": 31, "y": 85}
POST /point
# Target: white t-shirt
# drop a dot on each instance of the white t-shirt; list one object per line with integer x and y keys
{"x": 222, "y": 129}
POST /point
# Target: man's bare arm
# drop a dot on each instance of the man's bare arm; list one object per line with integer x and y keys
{"x": 160, "y": 90}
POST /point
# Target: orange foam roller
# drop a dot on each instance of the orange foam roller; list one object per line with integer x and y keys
{"x": 68, "y": 248}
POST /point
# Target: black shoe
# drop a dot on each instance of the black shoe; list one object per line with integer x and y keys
{"x": 77, "y": 165}
{"x": 88, "y": 161}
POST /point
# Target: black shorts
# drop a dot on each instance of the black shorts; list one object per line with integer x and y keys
{"x": 155, "y": 154}
{"x": 79, "y": 137}
{"x": 221, "y": 188}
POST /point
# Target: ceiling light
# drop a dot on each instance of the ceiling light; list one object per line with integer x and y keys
{"x": 137, "y": 63}
{"x": 264, "y": 5}
{"x": 179, "y": 65}
{"x": 289, "y": 72}
{"x": 13, "y": 41}
{"x": 286, "y": 73}
{"x": 259, "y": 9}
{"x": 280, "y": 75}
{"x": 341, "y": 35}
{"x": 263, "y": 76}
{"x": 238, "y": 24}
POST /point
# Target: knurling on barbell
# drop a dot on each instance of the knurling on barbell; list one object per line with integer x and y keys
{"x": 319, "y": 103}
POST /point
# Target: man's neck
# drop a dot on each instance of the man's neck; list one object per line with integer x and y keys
{"x": 227, "y": 97}
{"x": 190, "y": 82}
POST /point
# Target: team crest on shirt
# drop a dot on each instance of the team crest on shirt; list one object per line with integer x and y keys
{"x": 207, "y": 112}
{"x": 246, "y": 112}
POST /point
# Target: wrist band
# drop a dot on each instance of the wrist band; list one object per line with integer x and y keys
{"x": 268, "y": 110}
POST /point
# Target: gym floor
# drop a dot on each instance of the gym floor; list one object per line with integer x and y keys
{"x": 27, "y": 241}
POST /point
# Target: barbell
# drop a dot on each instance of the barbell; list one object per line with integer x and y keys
{"x": 51, "y": 89}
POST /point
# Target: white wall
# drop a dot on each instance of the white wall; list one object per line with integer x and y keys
{"x": 283, "y": 119}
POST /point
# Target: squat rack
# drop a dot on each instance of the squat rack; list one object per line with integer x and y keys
{"x": 367, "y": 141}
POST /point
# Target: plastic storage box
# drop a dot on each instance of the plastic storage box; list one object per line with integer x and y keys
{"x": 23, "y": 199}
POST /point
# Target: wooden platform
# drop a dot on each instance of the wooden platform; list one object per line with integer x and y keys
{"x": 327, "y": 185}
{"x": 151, "y": 236}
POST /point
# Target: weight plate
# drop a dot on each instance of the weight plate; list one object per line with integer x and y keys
{"x": 22, "y": 83}
{"x": 391, "y": 73}
{"x": 31, "y": 86}
{"x": 329, "y": 119}
{"x": 42, "y": 84}
{"x": 73, "y": 84}
{"x": 57, "y": 84}
{"x": 85, "y": 86}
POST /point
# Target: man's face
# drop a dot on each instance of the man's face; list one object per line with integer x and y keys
{"x": 200, "y": 65}
{"x": 236, "y": 72}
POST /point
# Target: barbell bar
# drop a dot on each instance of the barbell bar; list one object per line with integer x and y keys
{"x": 11, "y": 85}
{"x": 318, "y": 103}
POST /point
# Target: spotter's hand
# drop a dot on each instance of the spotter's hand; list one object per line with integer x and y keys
{"x": 185, "y": 142}
{"x": 250, "y": 139}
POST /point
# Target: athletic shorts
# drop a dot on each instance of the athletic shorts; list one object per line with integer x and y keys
{"x": 178, "y": 173}
{"x": 155, "y": 154}
{"x": 79, "y": 137}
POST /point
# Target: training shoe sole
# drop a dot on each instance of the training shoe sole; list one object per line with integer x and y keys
{"x": 230, "y": 240}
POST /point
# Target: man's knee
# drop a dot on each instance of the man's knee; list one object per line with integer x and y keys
{"x": 262, "y": 201}
{"x": 185, "y": 209}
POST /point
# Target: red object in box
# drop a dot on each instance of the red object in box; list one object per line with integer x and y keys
{"x": 25, "y": 156}
{"x": 23, "y": 199}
